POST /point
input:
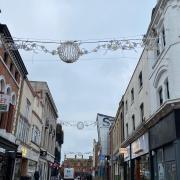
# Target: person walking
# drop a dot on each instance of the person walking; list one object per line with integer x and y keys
{"x": 36, "y": 175}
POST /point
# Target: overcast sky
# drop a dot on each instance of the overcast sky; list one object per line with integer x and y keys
{"x": 95, "y": 83}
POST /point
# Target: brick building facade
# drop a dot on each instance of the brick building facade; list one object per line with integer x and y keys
{"x": 12, "y": 75}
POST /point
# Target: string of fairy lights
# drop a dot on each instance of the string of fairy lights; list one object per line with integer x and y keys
{"x": 71, "y": 51}
{"x": 78, "y": 154}
{"x": 80, "y": 125}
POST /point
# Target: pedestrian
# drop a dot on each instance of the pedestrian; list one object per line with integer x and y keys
{"x": 36, "y": 175}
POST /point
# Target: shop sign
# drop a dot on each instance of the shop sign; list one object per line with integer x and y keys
{"x": 4, "y": 103}
{"x": 123, "y": 150}
{"x": 104, "y": 121}
{"x": 136, "y": 147}
{"x": 140, "y": 146}
{"x": 24, "y": 151}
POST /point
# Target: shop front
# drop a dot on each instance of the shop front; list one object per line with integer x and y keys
{"x": 7, "y": 158}
{"x": 26, "y": 166}
{"x": 140, "y": 159}
{"x": 165, "y": 147}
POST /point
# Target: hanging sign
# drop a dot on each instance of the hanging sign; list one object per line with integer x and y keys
{"x": 4, "y": 103}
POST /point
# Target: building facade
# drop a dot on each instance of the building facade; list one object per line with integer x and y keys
{"x": 116, "y": 131}
{"x": 12, "y": 75}
{"x": 82, "y": 167}
{"x": 49, "y": 121}
{"x": 151, "y": 101}
{"x": 28, "y": 132}
{"x": 103, "y": 124}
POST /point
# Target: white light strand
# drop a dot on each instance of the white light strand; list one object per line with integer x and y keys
{"x": 77, "y": 153}
{"x": 70, "y": 51}
{"x": 79, "y": 125}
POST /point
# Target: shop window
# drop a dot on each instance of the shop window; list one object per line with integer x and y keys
{"x": 132, "y": 95}
{"x": 133, "y": 122}
{"x": 140, "y": 80}
{"x": 142, "y": 112}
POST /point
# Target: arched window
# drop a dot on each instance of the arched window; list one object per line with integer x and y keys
{"x": 8, "y": 90}
{"x": 161, "y": 85}
{"x": 2, "y": 85}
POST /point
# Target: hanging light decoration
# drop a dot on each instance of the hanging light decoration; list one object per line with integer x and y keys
{"x": 69, "y": 51}
{"x": 80, "y": 125}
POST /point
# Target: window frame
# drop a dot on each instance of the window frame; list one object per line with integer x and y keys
{"x": 142, "y": 112}
{"x": 132, "y": 95}
{"x": 127, "y": 130}
{"x": 140, "y": 79}
{"x": 133, "y": 122}
{"x": 160, "y": 95}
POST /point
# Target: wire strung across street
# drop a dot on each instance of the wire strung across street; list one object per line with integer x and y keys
{"x": 71, "y": 51}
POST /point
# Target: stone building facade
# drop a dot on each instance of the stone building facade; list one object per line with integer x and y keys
{"x": 28, "y": 132}
{"x": 49, "y": 121}
{"x": 151, "y": 101}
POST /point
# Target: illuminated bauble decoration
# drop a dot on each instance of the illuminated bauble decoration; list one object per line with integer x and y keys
{"x": 80, "y": 125}
{"x": 69, "y": 52}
